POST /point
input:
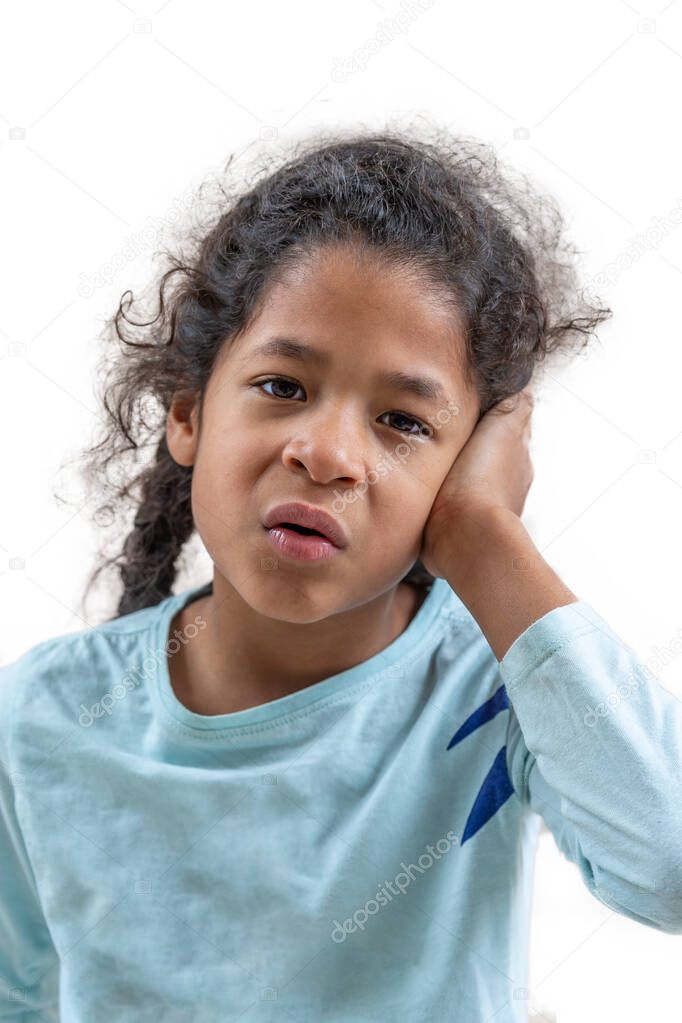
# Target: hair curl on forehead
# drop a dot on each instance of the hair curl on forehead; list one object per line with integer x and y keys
{"x": 437, "y": 205}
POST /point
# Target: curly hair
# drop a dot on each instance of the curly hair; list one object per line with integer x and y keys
{"x": 436, "y": 203}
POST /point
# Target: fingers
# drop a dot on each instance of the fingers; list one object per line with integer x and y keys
{"x": 522, "y": 402}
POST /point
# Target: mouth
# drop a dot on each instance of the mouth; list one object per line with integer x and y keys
{"x": 301, "y": 529}
{"x": 304, "y": 520}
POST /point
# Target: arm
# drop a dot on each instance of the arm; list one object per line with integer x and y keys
{"x": 29, "y": 966}
{"x": 608, "y": 785}
{"x": 594, "y": 745}
{"x": 496, "y": 570}
{"x": 474, "y": 536}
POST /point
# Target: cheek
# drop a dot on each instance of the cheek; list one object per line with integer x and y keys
{"x": 224, "y": 476}
{"x": 227, "y": 457}
{"x": 414, "y": 488}
{"x": 416, "y": 476}
{"x": 406, "y": 494}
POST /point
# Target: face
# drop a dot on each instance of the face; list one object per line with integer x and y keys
{"x": 338, "y": 426}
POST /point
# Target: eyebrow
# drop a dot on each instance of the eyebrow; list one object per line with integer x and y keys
{"x": 419, "y": 386}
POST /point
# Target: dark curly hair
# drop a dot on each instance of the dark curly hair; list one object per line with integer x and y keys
{"x": 433, "y": 202}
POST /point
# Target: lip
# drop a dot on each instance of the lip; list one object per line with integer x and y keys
{"x": 300, "y": 547}
{"x": 309, "y": 516}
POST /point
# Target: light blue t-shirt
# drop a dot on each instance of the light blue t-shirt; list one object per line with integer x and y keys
{"x": 359, "y": 850}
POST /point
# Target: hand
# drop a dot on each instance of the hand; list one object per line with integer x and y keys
{"x": 493, "y": 470}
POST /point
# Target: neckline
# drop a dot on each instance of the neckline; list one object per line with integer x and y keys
{"x": 278, "y": 712}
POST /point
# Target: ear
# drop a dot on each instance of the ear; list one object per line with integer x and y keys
{"x": 182, "y": 432}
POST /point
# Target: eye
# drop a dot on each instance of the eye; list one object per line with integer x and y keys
{"x": 421, "y": 427}
{"x": 277, "y": 380}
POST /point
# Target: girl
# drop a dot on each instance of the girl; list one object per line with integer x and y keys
{"x": 310, "y": 789}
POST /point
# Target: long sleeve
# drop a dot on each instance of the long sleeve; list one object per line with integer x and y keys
{"x": 29, "y": 966}
{"x": 594, "y": 745}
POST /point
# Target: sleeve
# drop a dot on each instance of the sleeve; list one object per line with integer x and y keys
{"x": 594, "y": 745}
{"x": 29, "y": 965}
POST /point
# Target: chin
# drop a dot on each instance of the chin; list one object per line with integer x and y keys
{"x": 278, "y": 595}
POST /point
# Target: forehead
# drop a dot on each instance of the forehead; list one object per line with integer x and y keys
{"x": 354, "y": 306}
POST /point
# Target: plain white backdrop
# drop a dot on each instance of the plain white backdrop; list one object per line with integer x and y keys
{"x": 109, "y": 112}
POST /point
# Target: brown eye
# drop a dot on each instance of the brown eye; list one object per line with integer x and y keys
{"x": 278, "y": 381}
{"x": 418, "y": 428}
{"x": 421, "y": 427}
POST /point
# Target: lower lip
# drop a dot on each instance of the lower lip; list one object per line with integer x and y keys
{"x": 299, "y": 546}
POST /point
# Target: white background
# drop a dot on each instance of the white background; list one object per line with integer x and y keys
{"x": 110, "y": 112}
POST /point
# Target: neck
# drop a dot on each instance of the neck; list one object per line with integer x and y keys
{"x": 242, "y": 659}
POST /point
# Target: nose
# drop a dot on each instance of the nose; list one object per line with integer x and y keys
{"x": 329, "y": 446}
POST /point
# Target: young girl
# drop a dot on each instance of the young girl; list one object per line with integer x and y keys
{"x": 310, "y": 789}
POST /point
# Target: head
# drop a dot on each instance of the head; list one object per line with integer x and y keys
{"x": 419, "y": 287}
{"x": 327, "y": 426}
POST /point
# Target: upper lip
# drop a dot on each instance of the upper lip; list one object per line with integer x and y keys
{"x": 309, "y": 516}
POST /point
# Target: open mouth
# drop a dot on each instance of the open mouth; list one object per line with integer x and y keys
{"x": 310, "y": 523}
{"x": 303, "y": 543}
{"x": 302, "y": 529}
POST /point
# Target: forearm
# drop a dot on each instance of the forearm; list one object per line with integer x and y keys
{"x": 497, "y": 571}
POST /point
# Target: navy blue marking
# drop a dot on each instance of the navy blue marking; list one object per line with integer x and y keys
{"x": 493, "y": 793}
{"x": 497, "y": 702}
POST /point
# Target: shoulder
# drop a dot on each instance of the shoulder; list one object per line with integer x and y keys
{"x": 463, "y": 652}
{"x": 45, "y": 685}
{"x": 467, "y": 683}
